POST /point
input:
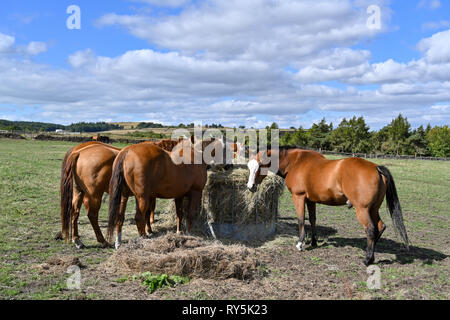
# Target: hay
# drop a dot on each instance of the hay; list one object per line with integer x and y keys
{"x": 226, "y": 199}
{"x": 58, "y": 264}
{"x": 185, "y": 256}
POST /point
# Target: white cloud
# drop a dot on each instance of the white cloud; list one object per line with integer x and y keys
{"x": 284, "y": 30}
{"x": 164, "y": 3}
{"x": 433, "y": 26}
{"x": 7, "y": 45}
{"x": 430, "y": 4}
{"x": 437, "y": 47}
{"x": 82, "y": 58}
{"x": 234, "y": 62}
{"x": 6, "y": 42}
{"x": 441, "y": 107}
{"x": 35, "y": 48}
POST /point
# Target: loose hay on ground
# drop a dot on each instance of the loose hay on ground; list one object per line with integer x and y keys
{"x": 58, "y": 264}
{"x": 184, "y": 255}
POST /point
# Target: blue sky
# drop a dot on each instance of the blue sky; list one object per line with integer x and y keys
{"x": 233, "y": 62}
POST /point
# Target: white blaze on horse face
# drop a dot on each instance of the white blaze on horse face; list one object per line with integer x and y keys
{"x": 253, "y": 166}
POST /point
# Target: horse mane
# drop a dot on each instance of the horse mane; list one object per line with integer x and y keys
{"x": 168, "y": 144}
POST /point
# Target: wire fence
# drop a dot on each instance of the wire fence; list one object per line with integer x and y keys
{"x": 384, "y": 156}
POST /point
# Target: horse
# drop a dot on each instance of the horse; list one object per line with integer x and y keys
{"x": 85, "y": 176}
{"x": 148, "y": 172}
{"x": 312, "y": 179}
{"x": 100, "y": 138}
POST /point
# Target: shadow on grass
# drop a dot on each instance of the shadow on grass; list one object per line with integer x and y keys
{"x": 286, "y": 228}
{"x": 402, "y": 256}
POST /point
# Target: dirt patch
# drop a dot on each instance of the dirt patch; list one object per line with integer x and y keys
{"x": 186, "y": 256}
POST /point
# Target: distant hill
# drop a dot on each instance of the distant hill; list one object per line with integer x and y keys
{"x": 27, "y": 126}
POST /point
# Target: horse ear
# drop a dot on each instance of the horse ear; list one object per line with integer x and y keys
{"x": 265, "y": 156}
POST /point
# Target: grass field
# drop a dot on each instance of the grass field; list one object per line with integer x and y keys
{"x": 29, "y": 220}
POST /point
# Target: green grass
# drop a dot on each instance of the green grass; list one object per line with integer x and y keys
{"x": 29, "y": 220}
{"x": 155, "y": 282}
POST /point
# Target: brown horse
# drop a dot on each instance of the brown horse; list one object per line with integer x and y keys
{"x": 85, "y": 176}
{"x": 148, "y": 172}
{"x": 311, "y": 179}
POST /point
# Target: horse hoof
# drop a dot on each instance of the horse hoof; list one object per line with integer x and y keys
{"x": 58, "y": 236}
{"x": 368, "y": 262}
{"x": 299, "y": 246}
{"x": 106, "y": 245}
{"x": 79, "y": 244}
{"x": 117, "y": 245}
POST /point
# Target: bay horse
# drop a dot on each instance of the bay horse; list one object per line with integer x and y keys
{"x": 85, "y": 177}
{"x": 148, "y": 172}
{"x": 312, "y": 179}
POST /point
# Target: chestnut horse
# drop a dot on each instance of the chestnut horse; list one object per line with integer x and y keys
{"x": 148, "y": 172}
{"x": 85, "y": 176}
{"x": 311, "y": 179}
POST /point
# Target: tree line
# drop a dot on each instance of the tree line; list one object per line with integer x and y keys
{"x": 354, "y": 136}
{"x": 35, "y": 127}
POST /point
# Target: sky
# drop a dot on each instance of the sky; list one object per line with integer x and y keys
{"x": 234, "y": 62}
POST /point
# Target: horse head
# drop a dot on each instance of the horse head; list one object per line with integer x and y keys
{"x": 259, "y": 165}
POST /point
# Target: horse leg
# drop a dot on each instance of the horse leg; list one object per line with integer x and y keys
{"x": 150, "y": 217}
{"x": 374, "y": 214}
{"x": 152, "y": 211}
{"x": 380, "y": 226}
{"x": 94, "y": 208}
{"x": 312, "y": 220}
{"x": 179, "y": 207}
{"x": 299, "y": 203}
{"x": 194, "y": 200}
{"x": 142, "y": 206}
{"x": 77, "y": 200}
{"x": 371, "y": 231}
{"x": 120, "y": 220}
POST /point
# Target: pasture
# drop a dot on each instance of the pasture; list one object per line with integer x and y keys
{"x": 32, "y": 263}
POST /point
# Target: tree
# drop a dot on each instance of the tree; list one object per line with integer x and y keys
{"x": 398, "y": 131}
{"x": 273, "y": 126}
{"x": 299, "y": 138}
{"x": 439, "y": 141}
{"x": 417, "y": 142}
{"x": 351, "y": 136}
{"x": 319, "y": 135}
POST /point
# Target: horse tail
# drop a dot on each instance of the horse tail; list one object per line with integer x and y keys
{"x": 115, "y": 193}
{"x": 69, "y": 166}
{"x": 393, "y": 205}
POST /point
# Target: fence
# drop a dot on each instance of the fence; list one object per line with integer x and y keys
{"x": 384, "y": 156}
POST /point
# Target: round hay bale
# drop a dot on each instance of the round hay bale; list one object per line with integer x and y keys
{"x": 229, "y": 210}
